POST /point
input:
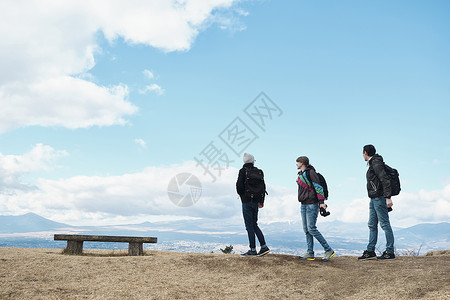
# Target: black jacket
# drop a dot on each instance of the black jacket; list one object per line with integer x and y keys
{"x": 240, "y": 184}
{"x": 378, "y": 183}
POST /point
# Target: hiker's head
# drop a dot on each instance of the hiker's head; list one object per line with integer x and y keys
{"x": 248, "y": 158}
{"x": 302, "y": 161}
{"x": 368, "y": 151}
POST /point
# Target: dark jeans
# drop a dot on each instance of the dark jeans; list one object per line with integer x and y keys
{"x": 250, "y": 212}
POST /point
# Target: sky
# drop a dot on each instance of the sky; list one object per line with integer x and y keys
{"x": 118, "y": 112}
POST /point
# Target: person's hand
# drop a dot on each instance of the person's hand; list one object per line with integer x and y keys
{"x": 389, "y": 202}
{"x": 261, "y": 205}
{"x": 324, "y": 206}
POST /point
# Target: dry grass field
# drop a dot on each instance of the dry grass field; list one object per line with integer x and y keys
{"x": 103, "y": 274}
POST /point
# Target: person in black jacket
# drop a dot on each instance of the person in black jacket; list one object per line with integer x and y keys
{"x": 250, "y": 208}
{"x": 379, "y": 192}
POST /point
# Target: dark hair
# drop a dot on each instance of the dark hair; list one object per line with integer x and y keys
{"x": 370, "y": 149}
{"x": 304, "y": 160}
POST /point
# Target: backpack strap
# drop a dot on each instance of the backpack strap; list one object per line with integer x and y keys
{"x": 246, "y": 172}
{"x": 312, "y": 184}
{"x": 308, "y": 180}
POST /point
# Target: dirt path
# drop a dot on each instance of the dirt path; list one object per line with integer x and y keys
{"x": 48, "y": 274}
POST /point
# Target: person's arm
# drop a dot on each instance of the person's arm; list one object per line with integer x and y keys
{"x": 261, "y": 203}
{"x": 240, "y": 183}
{"x": 378, "y": 168}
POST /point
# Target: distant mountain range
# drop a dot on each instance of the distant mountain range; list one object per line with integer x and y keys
{"x": 27, "y": 223}
{"x": 206, "y": 235}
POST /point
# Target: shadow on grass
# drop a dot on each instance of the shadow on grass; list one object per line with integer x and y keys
{"x": 106, "y": 253}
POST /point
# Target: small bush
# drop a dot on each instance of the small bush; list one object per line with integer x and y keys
{"x": 408, "y": 252}
{"x": 227, "y": 250}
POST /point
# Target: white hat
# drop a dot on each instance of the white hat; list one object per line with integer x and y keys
{"x": 248, "y": 158}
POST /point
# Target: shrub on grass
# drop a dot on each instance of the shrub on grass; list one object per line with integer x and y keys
{"x": 227, "y": 250}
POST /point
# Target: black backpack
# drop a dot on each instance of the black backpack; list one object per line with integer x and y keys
{"x": 394, "y": 179}
{"x": 255, "y": 187}
{"x": 322, "y": 182}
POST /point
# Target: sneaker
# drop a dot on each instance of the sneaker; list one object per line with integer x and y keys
{"x": 386, "y": 255}
{"x": 264, "y": 251}
{"x": 368, "y": 255}
{"x": 250, "y": 253}
{"x": 307, "y": 256}
{"x": 328, "y": 255}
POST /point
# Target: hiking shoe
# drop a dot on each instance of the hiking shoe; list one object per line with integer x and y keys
{"x": 328, "y": 255}
{"x": 250, "y": 253}
{"x": 386, "y": 255}
{"x": 368, "y": 255}
{"x": 264, "y": 251}
{"x": 307, "y": 256}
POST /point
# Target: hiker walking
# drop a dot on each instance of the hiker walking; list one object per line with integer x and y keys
{"x": 379, "y": 191}
{"x": 311, "y": 196}
{"x": 251, "y": 188}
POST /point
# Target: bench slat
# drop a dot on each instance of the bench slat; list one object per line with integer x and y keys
{"x": 103, "y": 238}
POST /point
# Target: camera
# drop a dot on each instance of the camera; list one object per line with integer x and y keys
{"x": 324, "y": 212}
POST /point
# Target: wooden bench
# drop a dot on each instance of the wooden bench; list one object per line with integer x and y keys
{"x": 75, "y": 242}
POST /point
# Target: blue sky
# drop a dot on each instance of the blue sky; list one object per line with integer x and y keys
{"x": 103, "y": 106}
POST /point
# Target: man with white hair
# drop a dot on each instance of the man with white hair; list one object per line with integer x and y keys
{"x": 251, "y": 188}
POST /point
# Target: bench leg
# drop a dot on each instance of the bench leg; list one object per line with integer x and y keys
{"x": 74, "y": 247}
{"x": 135, "y": 249}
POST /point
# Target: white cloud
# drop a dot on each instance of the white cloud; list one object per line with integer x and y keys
{"x": 152, "y": 88}
{"x": 425, "y": 206}
{"x": 242, "y": 12}
{"x": 62, "y": 101}
{"x": 230, "y": 20}
{"x": 357, "y": 211}
{"x": 46, "y": 47}
{"x": 141, "y": 143}
{"x": 167, "y": 25}
{"x": 13, "y": 167}
{"x": 155, "y": 88}
{"x": 130, "y": 197}
{"x": 281, "y": 205}
{"x": 148, "y": 74}
{"x": 409, "y": 209}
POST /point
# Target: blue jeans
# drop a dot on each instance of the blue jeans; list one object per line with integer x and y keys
{"x": 309, "y": 214}
{"x": 378, "y": 211}
{"x": 250, "y": 212}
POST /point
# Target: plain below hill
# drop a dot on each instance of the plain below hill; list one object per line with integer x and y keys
{"x": 102, "y": 274}
{"x": 204, "y": 235}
